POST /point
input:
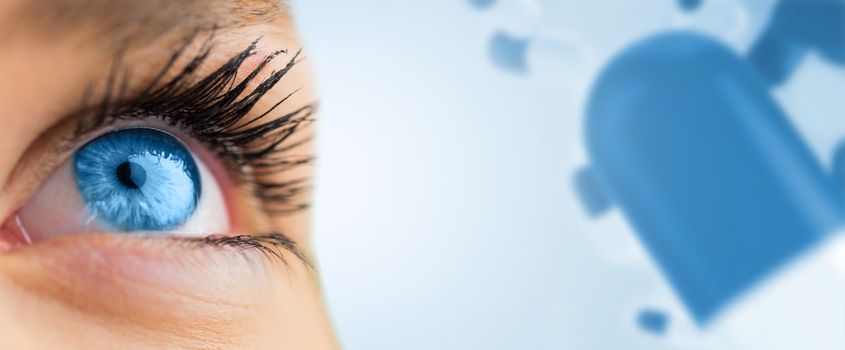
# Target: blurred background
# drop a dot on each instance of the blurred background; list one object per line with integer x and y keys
{"x": 447, "y": 214}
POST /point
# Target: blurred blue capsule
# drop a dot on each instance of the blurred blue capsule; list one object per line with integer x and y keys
{"x": 796, "y": 28}
{"x": 590, "y": 192}
{"x": 509, "y": 52}
{"x": 689, "y": 5}
{"x": 653, "y": 321}
{"x": 685, "y": 139}
{"x": 482, "y": 4}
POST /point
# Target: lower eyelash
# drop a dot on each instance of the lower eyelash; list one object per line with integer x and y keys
{"x": 213, "y": 110}
{"x": 270, "y": 245}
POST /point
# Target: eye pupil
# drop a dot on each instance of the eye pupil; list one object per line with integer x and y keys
{"x": 131, "y": 174}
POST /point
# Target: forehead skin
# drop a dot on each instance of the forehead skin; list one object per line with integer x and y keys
{"x": 140, "y": 19}
{"x": 50, "y": 51}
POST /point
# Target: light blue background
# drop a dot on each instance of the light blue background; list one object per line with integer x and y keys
{"x": 444, "y": 215}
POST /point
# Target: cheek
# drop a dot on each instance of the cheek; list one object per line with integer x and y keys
{"x": 287, "y": 314}
{"x": 25, "y": 319}
{"x": 131, "y": 293}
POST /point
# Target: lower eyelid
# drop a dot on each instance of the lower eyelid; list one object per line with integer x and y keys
{"x": 148, "y": 287}
{"x": 115, "y": 275}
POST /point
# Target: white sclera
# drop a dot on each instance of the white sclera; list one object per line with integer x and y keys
{"x": 211, "y": 215}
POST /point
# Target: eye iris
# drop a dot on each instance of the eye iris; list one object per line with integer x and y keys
{"x": 137, "y": 180}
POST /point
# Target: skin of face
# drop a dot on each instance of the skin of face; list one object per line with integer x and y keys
{"x": 103, "y": 291}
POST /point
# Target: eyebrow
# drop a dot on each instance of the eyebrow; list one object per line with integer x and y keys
{"x": 140, "y": 21}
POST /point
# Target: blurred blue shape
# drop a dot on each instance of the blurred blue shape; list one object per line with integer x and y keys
{"x": 839, "y": 165}
{"x": 592, "y": 196}
{"x": 689, "y": 5}
{"x": 685, "y": 138}
{"x": 796, "y": 28}
{"x": 481, "y": 4}
{"x": 653, "y": 321}
{"x": 509, "y": 52}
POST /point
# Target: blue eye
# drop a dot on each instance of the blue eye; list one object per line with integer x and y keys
{"x": 137, "y": 180}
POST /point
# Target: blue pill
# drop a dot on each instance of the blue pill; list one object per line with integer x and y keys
{"x": 653, "y": 321}
{"x": 509, "y": 52}
{"x": 796, "y": 28}
{"x": 481, "y": 4}
{"x": 686, "y": 140}
{"x": 690, "y": 5}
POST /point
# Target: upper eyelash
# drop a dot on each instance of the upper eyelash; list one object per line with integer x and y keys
{"x": 209, "y": 109}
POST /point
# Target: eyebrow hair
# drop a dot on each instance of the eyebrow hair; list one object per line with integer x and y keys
{"x": 142, "y": 21}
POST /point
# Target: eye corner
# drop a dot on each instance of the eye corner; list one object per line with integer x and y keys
{"x": 13, "y": 234}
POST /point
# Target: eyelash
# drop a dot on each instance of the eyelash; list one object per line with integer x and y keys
{"x": 209, "y": 110}
{"x": 264, "y": 244}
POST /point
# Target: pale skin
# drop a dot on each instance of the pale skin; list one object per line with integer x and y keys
{"x": 103, "y": 290}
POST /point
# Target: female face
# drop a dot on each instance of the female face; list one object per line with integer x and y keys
{"x": 154, "y": 172}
